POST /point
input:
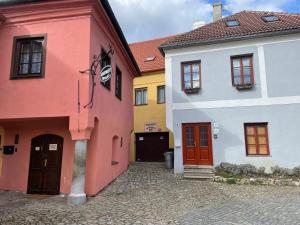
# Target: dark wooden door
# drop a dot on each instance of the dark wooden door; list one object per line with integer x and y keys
{"x": 45, "y": 165}
{"x": 150, "y": 147}
{"x": 197, "y": 144}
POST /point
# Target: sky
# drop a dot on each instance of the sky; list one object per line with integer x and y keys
{"x": 147, "y": 19}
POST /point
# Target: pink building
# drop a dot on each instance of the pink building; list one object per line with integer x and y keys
{"x": 53, "y": 141}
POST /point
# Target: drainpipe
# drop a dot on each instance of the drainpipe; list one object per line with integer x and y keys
{"x": 78, "y": 195}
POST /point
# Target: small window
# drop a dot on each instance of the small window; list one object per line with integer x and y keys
{"x": 105, "y": 62}
{"x": 161, "y": 98}
{"x": 242, "y": 71}
{"x": 191, "y": 76}
{"x": 141, "y": 96}
{"x": 257, "y": 142}
{"x": 118, "y": 87}
{"x": 150, "y": 58}
{"x": 28, "y": 57}
{"x": 270, "y": 18}
{"x": 232, "y": 23}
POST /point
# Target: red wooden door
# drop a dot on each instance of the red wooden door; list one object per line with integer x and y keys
{"x": 45, "y": 165}
{"x": 197, "y": 144}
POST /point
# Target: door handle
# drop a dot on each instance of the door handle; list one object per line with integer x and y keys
{"x": 45, "y": 162}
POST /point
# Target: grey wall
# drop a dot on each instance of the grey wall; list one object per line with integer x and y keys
{"x": 216, "y": 76}
{"x": 283, "y": 69}
{"x": 283, "y": 127}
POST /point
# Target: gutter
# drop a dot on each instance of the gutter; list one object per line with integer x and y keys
{"x": 195, "y": 43}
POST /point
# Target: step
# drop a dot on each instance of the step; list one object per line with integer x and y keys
{"x": 198, "y": 171}
{"x": 200, "y": 177}
{"x": 198, "y": 167}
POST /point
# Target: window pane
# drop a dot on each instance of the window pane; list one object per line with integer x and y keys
{"x": 237, "y": 80}
{"x": 250, "y": 130}
{"x": 24, "y": 58}
{"x": 196, "y": 76}
{"x": 36, "y": 68}
{"x": 138, "y": 97}
{"x": 236, "y": 63}
{"x": 36, "y": 57}
{"x": 252, "y": 149}
{"x": 196, "y": 84}
{"x": 145, "y": 97}
{"x": 247, "y": 80}
{"x": 37, "y": 45}
{"x": 161, "y": 94}
{"x": 24, "y": 69}
{"x": 251, "y": 140}
{"x": 187, "y": 69}
{"x": 187, "y": 85}
{"x": 246, "y": 62}
{"x": 261, "y": 130}
{"x": 262, "y": 140}
{"x": 25, "y": 48}
{"x": 203, "y": 137}
{"x": 187, "y": 77}
{"x": 263, "y": 149}
{"x": 196, "y": 68}
{"x": 189, "y": 137}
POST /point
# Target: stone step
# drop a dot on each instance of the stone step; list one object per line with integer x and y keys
{"x": 198, "y": 172}
{"x": 200, "y": 177}
{"x": 199, "y": 166}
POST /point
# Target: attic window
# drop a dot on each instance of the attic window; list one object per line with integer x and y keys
{"x": 271, "y": 18}
{"x": 232, "y": 23}
{"x": 150, "y": 58}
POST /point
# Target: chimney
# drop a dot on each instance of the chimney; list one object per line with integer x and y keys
{"x": 217, "y": 14}
{"x": 198, "y": 24}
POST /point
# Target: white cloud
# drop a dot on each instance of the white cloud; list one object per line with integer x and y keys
{"x": 261, "y": 5}
{"x": 146, "y": 19}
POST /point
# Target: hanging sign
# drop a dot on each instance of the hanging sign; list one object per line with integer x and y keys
{"x": 53, "y": 147}
{"x": 106, "y": 73}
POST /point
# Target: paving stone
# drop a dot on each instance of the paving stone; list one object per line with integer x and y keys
{"x": 149, "y": 194}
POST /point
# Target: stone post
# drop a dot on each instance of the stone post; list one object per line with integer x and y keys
{"x": 77, "y": 195}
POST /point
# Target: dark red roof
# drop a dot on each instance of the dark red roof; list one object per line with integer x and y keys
{"x": 149, "y": 49}
{"x": 251, "y": 25}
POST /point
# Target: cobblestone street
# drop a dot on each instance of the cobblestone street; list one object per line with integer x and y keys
{"x": 149, "y": 194}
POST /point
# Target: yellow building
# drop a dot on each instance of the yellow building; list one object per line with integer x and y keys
{"x": 150, "y": 138}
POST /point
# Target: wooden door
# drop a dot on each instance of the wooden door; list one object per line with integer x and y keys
{"x": 45, "y": 165}
{"x": 197, "y": 144}
{"x": 150, "y": 147}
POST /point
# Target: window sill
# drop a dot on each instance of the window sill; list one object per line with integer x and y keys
{"x": 258, "y": 155}
{"x": 192, "y": 91}
{"x": 141, "y": 105}
{"x": 244, "y": 86}
{"x": 113, "y": 163}
{"x": 33, "y": 76}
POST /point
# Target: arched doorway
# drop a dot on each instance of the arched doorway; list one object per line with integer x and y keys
{"x": 45, "y": 165}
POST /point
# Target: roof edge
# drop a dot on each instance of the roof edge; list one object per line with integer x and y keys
{"x": 162, "y": 48}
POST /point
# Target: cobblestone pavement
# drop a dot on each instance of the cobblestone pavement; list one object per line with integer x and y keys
{"x": 149, "y": 194}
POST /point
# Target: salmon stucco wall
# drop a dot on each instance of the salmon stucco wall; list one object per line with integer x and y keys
{"x": 17, "y": 164}
{"x": 1, "y": 150}
{"x": 152, "y": 112}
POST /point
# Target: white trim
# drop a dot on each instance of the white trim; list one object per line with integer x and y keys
{"x": 169, "y": 93}
{"x": 262, "y": 71}
{"x": 238, "y": 103}
{"x": 231, "y": 45}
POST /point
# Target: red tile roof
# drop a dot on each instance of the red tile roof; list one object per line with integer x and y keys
{"x": 251, "y": 25}
{"x": 149, "y": 49}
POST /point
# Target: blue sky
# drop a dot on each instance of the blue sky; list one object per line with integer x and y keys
{"x": 147, "y": 19}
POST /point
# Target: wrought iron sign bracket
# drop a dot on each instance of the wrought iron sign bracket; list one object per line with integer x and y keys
{"x": 92, "y": 71}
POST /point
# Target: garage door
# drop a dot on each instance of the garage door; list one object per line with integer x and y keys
{"x": 150, "y": 147}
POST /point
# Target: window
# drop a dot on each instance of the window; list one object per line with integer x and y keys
{"x": 141, "y": 96}
{"x": 161, "y": 98}
{"x": 191, "y": 76}
{"x": 242, "y": 71}
{"x": 118, "y": 87}
{"x": 232, "y": 23}
{"x": 257, "y": 142}
{"x": 28, "y": 57}
{"x": 105, "y": 62}
{"x": 270, "y": 18}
